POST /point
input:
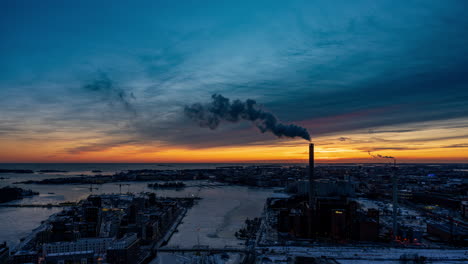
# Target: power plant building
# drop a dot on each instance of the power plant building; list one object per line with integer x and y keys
{"x": 328, "y": 211}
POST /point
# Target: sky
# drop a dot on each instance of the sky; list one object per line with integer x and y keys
{"x": 108, "y": 81}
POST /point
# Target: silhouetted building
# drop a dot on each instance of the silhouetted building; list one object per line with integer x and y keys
{"x": 95, "y": 200}
{"x": 124, "y": 250}
{"x": 62, "y": 230}
{"x": 336, "y": 218}
{"x": 338, "y": 224}
{"x": 25, "y": 256}
{"x": 4, "y": 253}
{"x": 78, "y": 257}
{"x": 449, "y": 232}
{"x": 464, "y": 209}
{"x": 312, "y": 260}
{"x": 91, "y": 214}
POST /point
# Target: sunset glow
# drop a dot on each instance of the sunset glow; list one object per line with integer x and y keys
{"x": 93, "y": 82}
{"x": 423, "y": 145}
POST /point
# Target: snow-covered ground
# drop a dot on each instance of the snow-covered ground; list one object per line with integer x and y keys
{"x": 359, "y": 254}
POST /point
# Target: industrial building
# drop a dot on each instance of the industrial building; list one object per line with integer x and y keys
{"x": 323, "y": 208}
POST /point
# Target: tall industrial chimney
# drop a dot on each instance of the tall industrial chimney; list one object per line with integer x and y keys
{"x": 311, "y": 175}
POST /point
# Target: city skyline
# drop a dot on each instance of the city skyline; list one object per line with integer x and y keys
{"x": 108, "y": 81}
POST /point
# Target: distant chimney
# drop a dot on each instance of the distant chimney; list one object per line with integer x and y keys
{"x": 311, "y": 174}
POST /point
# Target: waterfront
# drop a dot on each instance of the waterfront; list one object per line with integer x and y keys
{"x": 210, "y": 224}
{"x": 213, "y": 221}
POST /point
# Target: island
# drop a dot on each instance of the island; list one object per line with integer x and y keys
{"x": 15, "y": 171}
{"x": 50, "y": 171}
{"x": 167, "y": 185}
{"x": 131, "y": 175}
{"x": 8, "y": 194}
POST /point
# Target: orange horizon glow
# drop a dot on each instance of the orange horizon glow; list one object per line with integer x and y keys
{"x": 435, "y": 145}
{"x": 296, "y": 153}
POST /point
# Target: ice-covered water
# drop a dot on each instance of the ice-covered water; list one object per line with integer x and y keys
{"x": 221, "y": 212}
{"x": 213, "y": 221}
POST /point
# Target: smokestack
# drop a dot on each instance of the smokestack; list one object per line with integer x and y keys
{"x": 311, "y": 175}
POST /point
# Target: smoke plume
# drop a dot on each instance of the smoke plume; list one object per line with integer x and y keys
{"x": 222, "y": 109}
{"x": 378, "y": 156}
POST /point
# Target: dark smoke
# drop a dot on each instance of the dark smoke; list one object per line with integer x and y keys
{"x": 377, "y": 156}
{"x": 221, "y": 109}
{"x": 104, "y": 86}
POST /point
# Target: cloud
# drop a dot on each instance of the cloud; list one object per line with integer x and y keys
{"x": 332, "y": 70}
{"x": 97, "y": 147}
{"x": 373, "y": 131}
{"x": 462, "y": 145}
{"x": 374, "y": 149}
{"x": 105, "y": 88}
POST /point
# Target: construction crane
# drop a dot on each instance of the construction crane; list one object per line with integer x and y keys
{"x": 120, "y": 186}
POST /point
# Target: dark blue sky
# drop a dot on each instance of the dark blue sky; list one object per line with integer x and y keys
{"x": 332, "y": 66}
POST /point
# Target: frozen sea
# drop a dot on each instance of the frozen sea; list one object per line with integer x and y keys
{"x": 213, "y": 221}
